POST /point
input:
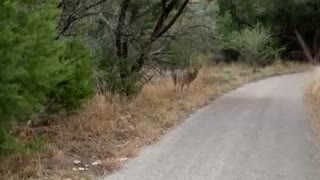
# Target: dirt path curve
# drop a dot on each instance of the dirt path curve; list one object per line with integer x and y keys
{"x": 258, "y": 132}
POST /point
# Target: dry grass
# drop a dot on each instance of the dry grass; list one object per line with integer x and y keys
{"x": 110, "y": 129}
{"x": 312, "y": 98}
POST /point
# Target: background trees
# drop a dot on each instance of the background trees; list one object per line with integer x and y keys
{"x": 287, "y": 19}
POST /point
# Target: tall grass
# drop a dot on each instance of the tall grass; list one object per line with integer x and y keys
{"x": 312, "y": 97}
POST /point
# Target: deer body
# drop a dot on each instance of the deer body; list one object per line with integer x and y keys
{"x": 184, "y": 77}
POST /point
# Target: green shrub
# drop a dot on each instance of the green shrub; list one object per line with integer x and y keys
{"x": 35, "y": 68}
{"x": 29, "y": 57}
{"x": 225, "y": 26}
{"x": 76, "y": 81}
{"x": 256, "y": 46}
{"x": 8, "y": 143}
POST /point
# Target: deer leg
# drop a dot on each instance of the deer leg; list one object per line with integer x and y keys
{"x": 177, "y": 88}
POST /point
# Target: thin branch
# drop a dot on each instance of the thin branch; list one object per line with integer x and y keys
{"x": 304, "y": 46}
{"x": 164, "y": 62}
{"x": 147, "y": 79}
{"x": 185, "y": 31}
{"x": 94, "y": 5}
{"x": 106, "y": 21}
{"x": 73, "y": 17}
{"x": 71, "y": 21}
{"x": 159, "y": 51}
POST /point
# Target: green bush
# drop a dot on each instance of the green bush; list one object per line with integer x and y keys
{"x": 35, "y": 68}
{"x": 256, "y": 46}
{"x": 76, "y": 81}
{"x": 225, "y": 26}
{"x": 29, "y": 57}
{"x": 8, "y": 143}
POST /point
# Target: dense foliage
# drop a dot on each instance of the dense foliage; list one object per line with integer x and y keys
{"x": 256, "y": 46}
{"x": 29, "y": 58}
{"x": 37, "y": 70}
{"x": 284, "y": 18}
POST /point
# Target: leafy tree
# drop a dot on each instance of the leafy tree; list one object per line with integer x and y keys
{"x": 36, "y": 69}
{"x": 29, "y": 57}
{"x": 256, "y": 45}
{"x": 76, "y": 82}
{"x": 131, "y": 30}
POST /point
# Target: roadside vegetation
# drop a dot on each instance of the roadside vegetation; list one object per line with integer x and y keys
{"x": 86, "y": 84}
{"x": 312, "y": 100}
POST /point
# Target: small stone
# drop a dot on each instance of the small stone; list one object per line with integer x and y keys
{"x": 86, "y": 165}
{"x": 76, "y": 162}
{"x": 123, "y": 159}
{"x": 74, "y": 169}
{"x": 81, "y": 169}
{"x": 96, "y": 163}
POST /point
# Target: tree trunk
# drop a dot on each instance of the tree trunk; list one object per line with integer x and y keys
{"x": 316, "y": 47}
{"x": 121, "y": 44}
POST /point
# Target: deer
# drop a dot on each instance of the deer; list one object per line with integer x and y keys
{"x": 184, "y": 77}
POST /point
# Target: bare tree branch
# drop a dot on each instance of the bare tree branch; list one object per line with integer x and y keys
{"x": 185, "y": 32}
{"x": 79, "y": 13}
{"x": 304, "y": 46}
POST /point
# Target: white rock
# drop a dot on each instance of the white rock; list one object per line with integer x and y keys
{"x": 123, "y": 159}
{"x": 81, "y": 169}
{"x": 96, "y": 163}
{"x": 74, "y": 169}
{"x": 76, "y": 162}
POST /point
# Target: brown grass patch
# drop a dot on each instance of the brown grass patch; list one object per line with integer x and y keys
{"x": 312, "y": 99}
{"x": 110, "y": 130}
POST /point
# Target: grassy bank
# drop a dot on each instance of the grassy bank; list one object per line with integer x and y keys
{"x": 108, "y": 130}
{"x": 312, "y": 100}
